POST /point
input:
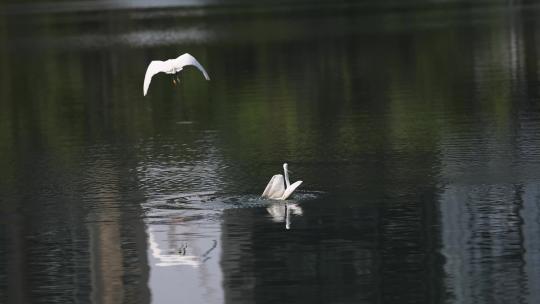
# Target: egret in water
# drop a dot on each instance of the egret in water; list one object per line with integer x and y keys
{"x": 171, "y": 66}
{"x": 279, "y": 189}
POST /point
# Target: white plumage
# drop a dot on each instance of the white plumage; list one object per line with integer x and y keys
{"x": 171, "y": 66}
{"x": 278, "y": 188}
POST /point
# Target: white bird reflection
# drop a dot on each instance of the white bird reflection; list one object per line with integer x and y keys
{"x": 178, "y": 258}
{"x": 281, "y": 212}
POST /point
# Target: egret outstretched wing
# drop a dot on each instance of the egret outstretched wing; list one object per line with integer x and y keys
{"x": 187, "y": 59}
{"x": 154, "y": 67}
{"x": 171, "y": 66}
{"x": 290, "y": 190}
{"x": 275, "y": 188}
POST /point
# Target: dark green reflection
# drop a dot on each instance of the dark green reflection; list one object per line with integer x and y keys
{"x": 410, "y": 123}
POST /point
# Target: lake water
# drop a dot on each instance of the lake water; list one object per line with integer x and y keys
{"x": 415, "y": 127}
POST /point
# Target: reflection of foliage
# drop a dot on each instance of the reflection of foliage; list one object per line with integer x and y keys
{"x": 345, "y": 93}
{"x": 309, "y": 94}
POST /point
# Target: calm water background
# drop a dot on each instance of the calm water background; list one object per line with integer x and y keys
{"x": 414, "y": 126}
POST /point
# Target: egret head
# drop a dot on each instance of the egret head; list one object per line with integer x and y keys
{"x": 285, "y": 167}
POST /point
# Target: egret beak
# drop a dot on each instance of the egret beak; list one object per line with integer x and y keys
{"x": 174, "y": 81}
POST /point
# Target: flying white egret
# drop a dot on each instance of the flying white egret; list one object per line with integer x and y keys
{"x": 171, "y": 66}
{"x": 279, "y": 189}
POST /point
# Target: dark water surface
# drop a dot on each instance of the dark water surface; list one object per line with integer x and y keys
{"x": 415, "y": 128}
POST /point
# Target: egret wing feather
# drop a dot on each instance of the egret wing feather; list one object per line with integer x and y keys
{"x": 154, "y": 67}
{"x": 275, "y": 187}
{"x": 290, "y": 190}
{"x": 187, "y": 59}
{"x": 171, "y": 66}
